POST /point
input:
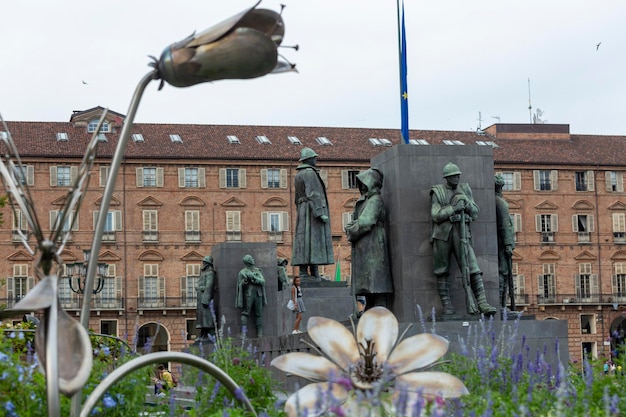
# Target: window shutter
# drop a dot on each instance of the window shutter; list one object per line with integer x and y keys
{"x": 264, "y": 221}
{"x": 344, "y": 179}
{"x": 10, "y": 289}
{"x": 324, "y": 176}
{"x": 591, "y": 181}
{"x": 283, "y": 178}
{"x": 139, "y": 175}
{"x": 30, "y": 175}
{"x": 554, "y": 222}
{"x": 264, "y": 178}
{"x": 233, "y": 223}
{"x": 159, "y": 177}
{"x": 517, "y": 224}
{"x": 193, "y": 270}
{"x": 520, "y": 284}
{"x": 614, "y": 283}
{"x": 577, "y": 281}
{"x": 517, "y": 181}
{"x": 183, "y": 287}
{"x": 73, "y": 174}
{"x": 536, "y": 180}
{"x": 104, "y": 175}
{"x": 620, "y": 181}
{"x": 540, "y": 287}
{"x": 608, "y": 184}
{"x": 237, "y": 221}
{"x": 538, "y": 222}
{"x": 284, "y": 221}
{"x": 53, "y": 218}
{"x": 242, "y": 178}
{"x": 619, "y": 267}
{"x": 594, "y": 284}
{"x": 95, "y": 218}
{"x": 142, "y": 287}
{"x": 118, "y": 219}
{"x": 222, "y": 175}
{"x": 575, "y": 223}
{"x": 53, "y": 176}
{"x": 118, "y": 287}
{"x": 201, "y": 177}
{"x": 74, "y": 220}
{"x": 181, "y": 177}
{"x": 554, "y": 180}
{"x": 161, "y": 281}
{"x": 590, "y": 223}
{"x": 618, "y": 222}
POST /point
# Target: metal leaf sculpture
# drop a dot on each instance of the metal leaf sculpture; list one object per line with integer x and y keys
{"x": 57, "y": 330}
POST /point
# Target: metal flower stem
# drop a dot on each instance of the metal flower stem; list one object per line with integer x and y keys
{"x": 102, "y": 215}
{"x": 161, "y": 357}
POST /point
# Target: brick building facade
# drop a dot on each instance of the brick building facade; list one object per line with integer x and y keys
{"x": 183, "y": 188}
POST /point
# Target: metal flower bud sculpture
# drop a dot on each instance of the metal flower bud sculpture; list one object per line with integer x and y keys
{"x": 242, "y": 47}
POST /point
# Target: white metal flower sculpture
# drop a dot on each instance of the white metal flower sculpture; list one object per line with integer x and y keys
{"x": 373, "y": 360}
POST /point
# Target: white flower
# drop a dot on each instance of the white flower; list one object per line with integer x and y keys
{"x": 364, "y": 365}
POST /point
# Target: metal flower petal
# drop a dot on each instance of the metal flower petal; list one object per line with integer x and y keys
{"x": 379, "y": 326}
{"x": 334, "y": 340}
{"x": 416, "y": 352}
{"x": 315, "y": 399}
{"x": 242, "y": 47}
{"x": 305, "y": 365}
{"x": 433, "y": 384}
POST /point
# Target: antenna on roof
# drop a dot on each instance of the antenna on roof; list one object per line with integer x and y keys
{"x": 530, "y": 107}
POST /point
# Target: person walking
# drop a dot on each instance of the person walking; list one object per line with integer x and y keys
{"x": 296, "y": 297}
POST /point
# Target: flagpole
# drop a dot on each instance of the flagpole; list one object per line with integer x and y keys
{"x": 404, "y": 96}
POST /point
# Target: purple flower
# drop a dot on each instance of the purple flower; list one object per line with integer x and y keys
{"x": 108, "y": 401}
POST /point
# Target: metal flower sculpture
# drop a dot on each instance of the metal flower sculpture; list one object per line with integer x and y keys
{"x": 373, "y": 359}
{"x": 244, "y": 46}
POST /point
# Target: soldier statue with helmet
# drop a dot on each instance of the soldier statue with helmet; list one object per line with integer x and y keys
{"x": 312, "y": 243}
{"x": 206, "y": 294}
{"x": 452, "y": 211}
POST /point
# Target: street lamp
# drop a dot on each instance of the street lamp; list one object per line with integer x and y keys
{"x": 77, "y": 273}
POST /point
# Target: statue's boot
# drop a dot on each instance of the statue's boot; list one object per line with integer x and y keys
{"x": 503, "y": 290}
{"x": 315, "y": 272}
{"x": 258, "y": 322}
{"x": 444, "y": 293}
{"x": 479, "y": 292}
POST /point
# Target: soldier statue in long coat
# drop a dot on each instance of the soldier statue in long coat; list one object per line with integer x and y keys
{"x": 371, "y": 274}
{"x": 206, "y": 293}
{"x": 250, "y": 296}
{"x": 506, "y": 240}
{"x": 312, "y": 244}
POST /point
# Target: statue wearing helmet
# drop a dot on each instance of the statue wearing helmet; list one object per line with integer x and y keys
{"x": 312, "y": 243}
{"x": 506, "y": 240}
{"x": 206, "y": 293}
{"x": 250, "y": 294}
{"x": 452, "y": 210}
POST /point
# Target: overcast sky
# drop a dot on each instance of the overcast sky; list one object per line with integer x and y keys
{"x": 464, "y": 57}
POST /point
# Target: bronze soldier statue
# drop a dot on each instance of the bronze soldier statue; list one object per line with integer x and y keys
{"x": 452, "y": 210}
{"x": 283, "y": 278}
{"x": 250, "y": 294}
{"x": 371, "y": 274}
{"x": 206, "y": 293}
{"x": 312, "y": 244}
{"x": 506, "y": 243}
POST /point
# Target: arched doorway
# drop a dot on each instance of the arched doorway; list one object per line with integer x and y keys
{"x": 152, "y": 337}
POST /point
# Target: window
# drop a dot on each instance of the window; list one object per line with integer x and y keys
{"x": 545, "y": 180}
{"x": 263, "y": 140}
{"x": 25, "y": 175}
{"x": 62, "y": 176}
{"x": 512, "y": 181}
{"x": 112, "y": 224}
{"x": 547, "y": 285}
{"x": 93, "y": 125}
{"x": 516, "y": 220}
{"x": 614, "y": 181}
{"x": 111, "y": 294}
{"x": 588, "y": 323}
{"x": 138, "y": 137}
{"x": 233, "y": 225}
{"x": 191, "y": 177}
{"x": 294, "y": 140}
{"x": 547, "y": 224}
{"x": 108, "y": 327}
{"x": 55, "y": 216}
{"x": 189, "y": 284}
{"x": 380, "y": 142}
{"x": 586, "y": 284}
{"x": 273, "y": 178}
{"x": 583, "y": 224}
{"x": 232, "y": 139}
{"x": 453, "y": 142}
{"x": 151, "y": 287}
{"x": 520, "y": 285}
{"x": 192, "y": 226}
{"x": 619, "y": 282}
{"x": 418, "y": 142}
{"x": 275, "y": 223}
{"x": 104, "y": 175}
{"x": 324, "y": 176}
{"x": 584, "y": 180}
{"x": 20, "y": 225}
{"x": 348, "y": 179}
{"x": 62, "y": 137}
{"x": 619, "y": 228}
{"x": 324, "y": 141}
{"x": 19, "y": 284}
{"x": 150, "y": 226}
{"x": 67, "y": 297}
{"x": 149, "y": 177}
{"x": 176, "y": 138}
{"x": 232, "y": 178}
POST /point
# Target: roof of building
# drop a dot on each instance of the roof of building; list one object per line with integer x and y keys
{"x": 513, "y": 143}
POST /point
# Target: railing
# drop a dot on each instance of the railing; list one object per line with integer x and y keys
{"x": 275, "y": 237}
{"x": 150, "y": 236}
{"x": 159, "y": 303}
{"x": 192, "y": 236}
{"x": 584, "y": 237}
{"x": 97, "y": 303}
{"x": 108, "y": 236}
{"x": 547, "y": 237}
{"x": 589, "y": 298}
{"x": 233, "y": 236}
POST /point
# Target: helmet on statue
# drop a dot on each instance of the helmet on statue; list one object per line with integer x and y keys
{"x": 450, "y": 169}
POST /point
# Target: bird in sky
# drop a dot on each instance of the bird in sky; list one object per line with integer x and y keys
{"x": 598, "y": 45}
{"x": 84, "y": 82}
